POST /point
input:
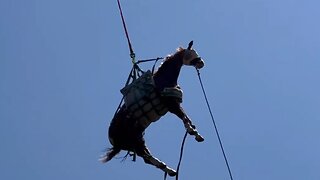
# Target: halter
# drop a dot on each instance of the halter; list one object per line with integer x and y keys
{"x": 192, "y": 58}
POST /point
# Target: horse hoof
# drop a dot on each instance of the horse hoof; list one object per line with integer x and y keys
{"x": 199, "y": 138}
{"x": 170, "y": 171}
{"x": 172, "y": 174}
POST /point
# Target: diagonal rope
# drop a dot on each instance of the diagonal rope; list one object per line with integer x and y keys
{"x": 215, "y": 126}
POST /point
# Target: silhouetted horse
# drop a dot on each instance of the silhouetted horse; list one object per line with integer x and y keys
{"x": 127, "y": 129}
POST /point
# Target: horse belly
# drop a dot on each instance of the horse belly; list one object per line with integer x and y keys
{"x": 123, "y": 133}
{"x": 148, "y": 109}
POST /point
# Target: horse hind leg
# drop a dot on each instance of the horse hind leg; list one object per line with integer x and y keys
{"x": 149, "y": 159}
{"x": 159, "y": 164}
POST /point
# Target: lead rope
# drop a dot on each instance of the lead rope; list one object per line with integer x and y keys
{"x": 215, "y": 126}
{"x": 180, "y": 158}
{"x": 181, "y": 153}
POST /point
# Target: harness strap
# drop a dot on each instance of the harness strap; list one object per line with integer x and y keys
{"x": 133, "y": 154}
{"x": 130, "y": 153}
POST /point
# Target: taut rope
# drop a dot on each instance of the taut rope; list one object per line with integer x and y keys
{"x": 215, "y": 125}
{"x": 132, "y": 54}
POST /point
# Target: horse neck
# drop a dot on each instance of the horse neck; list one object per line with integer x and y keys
{"x": 168, "y": 73}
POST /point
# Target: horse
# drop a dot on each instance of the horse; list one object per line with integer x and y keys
{"x": 126, "y": 131}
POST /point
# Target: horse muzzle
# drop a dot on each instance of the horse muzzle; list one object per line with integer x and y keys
{"x": 197, "y": 63}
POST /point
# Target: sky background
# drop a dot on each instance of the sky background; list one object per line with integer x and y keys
{"x": 63, "y": 62}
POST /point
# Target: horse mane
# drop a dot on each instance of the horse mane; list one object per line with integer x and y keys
{"x": 179, "y": 52}
{"x": 168, "y": 72}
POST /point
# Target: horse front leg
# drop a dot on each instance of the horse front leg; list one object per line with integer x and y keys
{"x": 191, "y": 129}
{"x": 149, "y": 159}
{"x": 174, "y": 107}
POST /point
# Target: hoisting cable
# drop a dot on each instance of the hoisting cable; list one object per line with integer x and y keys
{"x": 215, "y": 126}
{"x": 132, "y": 54}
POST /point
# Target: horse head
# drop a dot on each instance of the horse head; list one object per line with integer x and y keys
{"x": 191, "y": 57}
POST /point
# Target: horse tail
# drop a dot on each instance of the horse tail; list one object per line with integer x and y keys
{"x": 111, "y": 152}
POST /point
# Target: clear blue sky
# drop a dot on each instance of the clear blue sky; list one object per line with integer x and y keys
{"x": 62, "y": 63}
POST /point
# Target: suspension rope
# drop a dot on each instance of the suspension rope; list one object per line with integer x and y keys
{"x": 132, "y": 54}
{"x": 215, "y": 126}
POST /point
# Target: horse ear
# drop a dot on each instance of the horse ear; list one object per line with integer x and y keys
{"x": 190, "y": 45}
